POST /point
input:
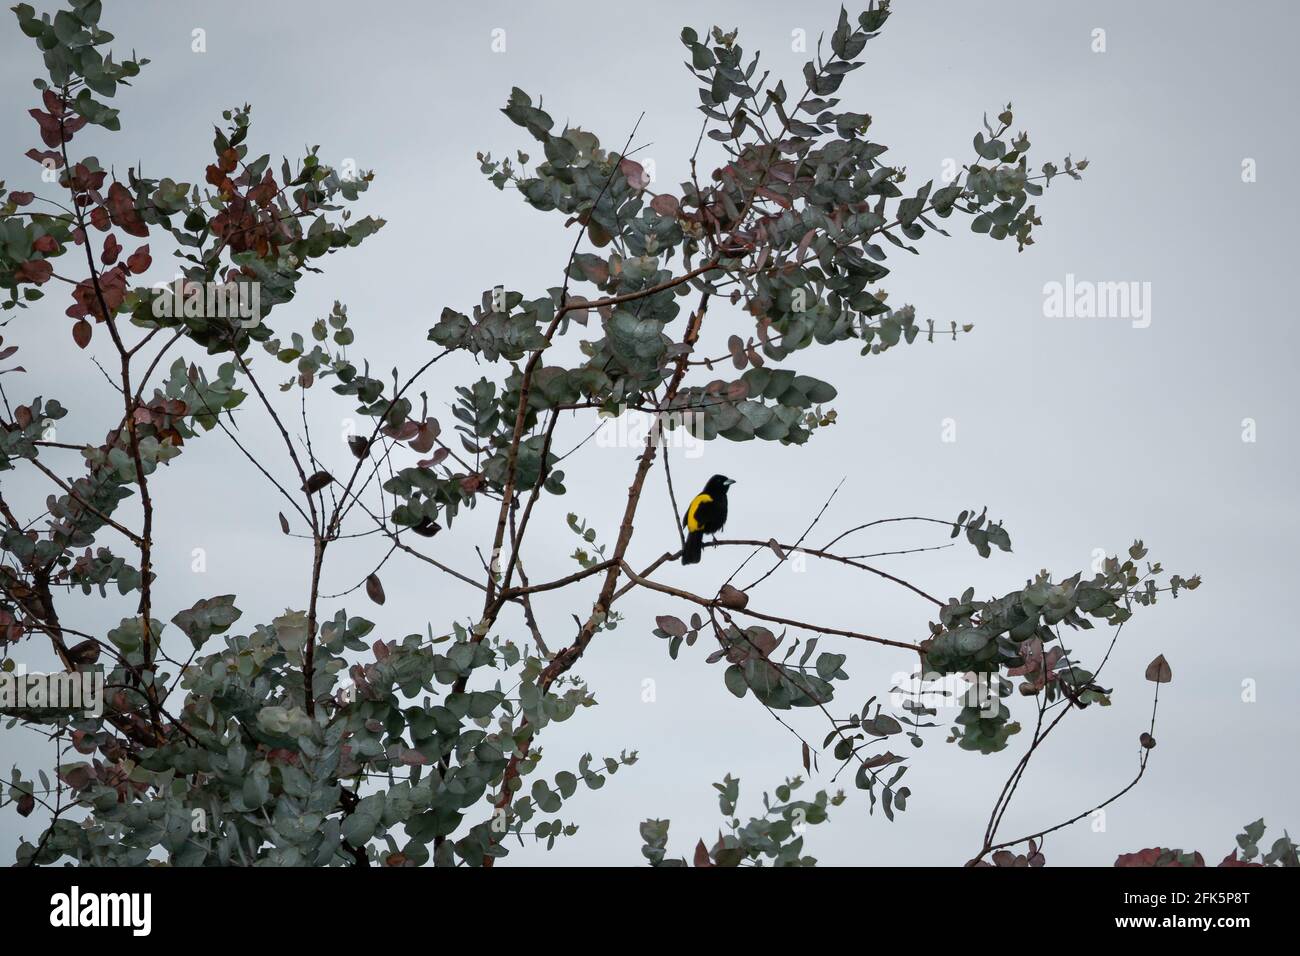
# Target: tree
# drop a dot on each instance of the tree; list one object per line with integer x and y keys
{"x": 309, "y": 740}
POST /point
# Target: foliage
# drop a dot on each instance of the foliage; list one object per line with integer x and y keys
{"x": 1282, "y": 853}
{"x": 773, "y": 839}
{"x": 309, "y": 739}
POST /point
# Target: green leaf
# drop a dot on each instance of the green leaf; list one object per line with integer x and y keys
{"x": 207, "y": 617}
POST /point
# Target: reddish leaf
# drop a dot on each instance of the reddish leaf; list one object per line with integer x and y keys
{"x": 50, "y": 130}
{"x": 77, "y": 775}
{"x": 435, "y": 459}
{"x": 112, "y": 289}
{"x": 21, "y": 199}
{"x": 882, "y": 760}
{"x": 672, "y": 626}
{"x": 35, "y": 271}
{"x": 83, "y": 180}
{"x": 596, "y": 270}
{"x": 702, "y": 855}
{"x": 666, "y": 205}
{"x": 375, "y": 589}
{"x": 81, "y": 331}
{"x": 284, "y": 522}
{"x": 803, "y": 245}
{"x": 47, "y": 157}
{"x": 736, "y": 346}
{"x": 406, "y": 432}
{"x": 1158, "y": 671}
{"x": 1231, "y": 861}
{"x": 112, "y": 249}
{"x": 121, "y": 206}
{"x": 426, "y": 434}
{"x": 598, "y": 236}
{"x": 762, "y": 640}
{"x": 140, "y": 260}
{"x": 215, "y": 177}
{"x": 737, "y": 390}
{"x": 634, "y": 173}
{"x": 776, "y": 197}
{"x": 1156, "y": 856}
{"x": 46, "y": 244}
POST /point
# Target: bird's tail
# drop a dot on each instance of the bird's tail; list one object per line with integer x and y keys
{"x": 694, "y": 543}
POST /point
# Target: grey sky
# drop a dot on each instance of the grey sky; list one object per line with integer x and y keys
{"x": 1078, "y": 433}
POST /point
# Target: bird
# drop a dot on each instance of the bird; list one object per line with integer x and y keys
{"x": 706, "y": 514}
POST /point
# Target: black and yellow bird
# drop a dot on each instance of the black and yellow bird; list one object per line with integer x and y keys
{"x": 706, "y": 514}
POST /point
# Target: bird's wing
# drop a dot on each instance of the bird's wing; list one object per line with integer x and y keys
{"x": 691, "y": 522}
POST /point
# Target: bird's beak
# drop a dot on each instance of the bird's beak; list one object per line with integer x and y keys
{"x": 730, "y": 482}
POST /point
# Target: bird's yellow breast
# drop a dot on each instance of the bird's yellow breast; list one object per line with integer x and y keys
{"x": 691, "y": 523}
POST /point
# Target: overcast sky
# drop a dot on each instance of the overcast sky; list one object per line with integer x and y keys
{"x": 1079, "y": 433}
